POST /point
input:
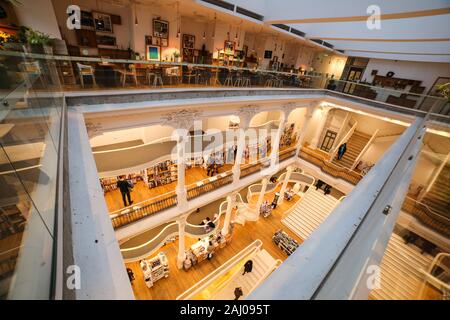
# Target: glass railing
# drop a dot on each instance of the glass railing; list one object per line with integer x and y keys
{"x": 30, "y": 134}
{"x": 93, "y": 73}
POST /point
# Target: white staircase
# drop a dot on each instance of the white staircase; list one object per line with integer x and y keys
{"x": 263, "y": 265}
{"x": 245, "y": 211}
{"x": 309, "y": 212}
{"x": 400, "y": 275}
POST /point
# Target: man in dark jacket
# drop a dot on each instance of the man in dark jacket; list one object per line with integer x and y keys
{"x": 125, "y": 189}
{"x": 248, "y": 267}
{"x": 341, "y": 151}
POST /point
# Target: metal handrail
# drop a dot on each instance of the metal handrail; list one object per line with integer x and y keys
{"x": 343, "y": 140}
{"x": 250, "y": 249}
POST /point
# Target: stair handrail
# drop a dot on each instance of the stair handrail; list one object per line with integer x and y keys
{"x": 343, "y": 140}
{"x": 200, "y": 285}
{"x": 433, "y": 212}
{"x": 363, "y": 151}
{"x": 429, "y": 278}
{"x": 246, "y": 204}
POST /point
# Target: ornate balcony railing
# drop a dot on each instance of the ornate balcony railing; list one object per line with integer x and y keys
{"x": 328, "y": 167}
{"x": 207, "y": 185}
{"x": 143, "y": 209}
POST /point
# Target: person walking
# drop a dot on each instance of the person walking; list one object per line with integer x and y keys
{"x": 341, "y": 151}
{"x": 327, "y": 189}
{"x": 248, "y": 267}
{"x": 238, "y": 293}
{"x": 130, "y": 274}
{"x": 319, "y": 184}
{"x": 125, "y": 189}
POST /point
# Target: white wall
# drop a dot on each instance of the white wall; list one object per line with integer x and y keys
{"x": 331, "y": 64}
{"x": 427, "y": 72}
{"x": 146, "y": 134}
{"x": 39, "y": 15}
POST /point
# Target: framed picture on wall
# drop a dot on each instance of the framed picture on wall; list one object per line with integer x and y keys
{"x": 164, "y": 42}
{"x": 188, "y": 41}
{"x": 160, "y": 28}
{"x": 102, "y": 22}
{"x": 148, "y": 40}
{"x": 267, "y": 54}
{"x": 153, "y": 53}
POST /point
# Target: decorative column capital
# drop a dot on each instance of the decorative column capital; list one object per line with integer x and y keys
{"x": 288, "y": 108}
{"x": 180, "y": 119}
{"x": 246, "y": 114}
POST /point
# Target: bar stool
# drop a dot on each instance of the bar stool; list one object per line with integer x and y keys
{"x": 157, "y": 77}
{"x": 32, "y": 71}
{"x": 86, "y": 70}
{"x": 239, "y": 82}
{"x": 214, "y": 80}
{"x": 191, "y": 73}
{"x": 229, "y": 79}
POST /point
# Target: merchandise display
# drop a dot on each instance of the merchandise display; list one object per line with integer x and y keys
{"x": 285, "y": 242}
{"x": 155, "y": 269}
{"x": 162, "y": 173}
{"x": 205, "y": 249}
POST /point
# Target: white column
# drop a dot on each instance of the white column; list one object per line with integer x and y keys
{"x": 261, "y": 195}
{"x": 244, "y": 124}
{"x": 304, "y": 129}
{"x": 276, "y": 142}
{"x": 227, "y": 220}
{"x": 181, "y": 187}
{"x": 322, "y": 113}
{"x": 181, "y": 242}
{"x": 285, "y": 182}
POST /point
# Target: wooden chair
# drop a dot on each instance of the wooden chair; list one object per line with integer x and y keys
{"x": 124, "y": 73}
{"x": 86, "y": 70}
{"x": 32, "y": 71}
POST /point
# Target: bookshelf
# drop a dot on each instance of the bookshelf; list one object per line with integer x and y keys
{"x": 155, "y": 269}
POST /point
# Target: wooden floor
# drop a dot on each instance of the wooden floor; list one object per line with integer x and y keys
{"x": 141, "y": 192}
{"x": 181, "y": 280}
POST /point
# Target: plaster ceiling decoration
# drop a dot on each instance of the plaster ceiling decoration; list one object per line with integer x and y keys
{"x": 181, "y": 119}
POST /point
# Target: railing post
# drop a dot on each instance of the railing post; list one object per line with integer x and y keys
{"x": 265, "y": 180}
{"x": 181, "y": 242}
{"x": 285, "y": 182}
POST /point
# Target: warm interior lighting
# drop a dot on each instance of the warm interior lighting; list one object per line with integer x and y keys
{"x": 135, "y": 15}
{"x": 204, "y": 35}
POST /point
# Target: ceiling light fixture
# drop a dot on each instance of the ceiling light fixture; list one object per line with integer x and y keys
{"x": 204, "y": 35}
{"x": 178, "y": 19}
{"x": 214, "y": 27}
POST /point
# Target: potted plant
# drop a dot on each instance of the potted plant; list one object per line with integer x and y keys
{"x": 38, "y": 42}
{"x": 176, "y": 56}
{"x": 444, "y": 89}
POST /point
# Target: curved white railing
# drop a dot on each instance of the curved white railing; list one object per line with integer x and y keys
{"x": 252, "y": 248}
{"x": 295, "y": 177}
{"x": 199, "y": 230}
{"x": 145, "y": 249}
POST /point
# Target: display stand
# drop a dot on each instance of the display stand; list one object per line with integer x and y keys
{"x": 203, "y": 250}
{"x": 155, "y": 269}
{"x": 285, "y": 242}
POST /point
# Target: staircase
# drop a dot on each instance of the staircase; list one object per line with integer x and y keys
{"x": 355, "y": 145}
{"x": 400, "y": 275}
{"x": 438, "y": 198}
{"x": 263, "y": 265}
{"x": 310, "y": 212}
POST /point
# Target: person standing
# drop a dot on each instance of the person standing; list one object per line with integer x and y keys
{"x": 130, "y": 274}
{"x": 125, "y": 189}
{"x": 341, "y": 151}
